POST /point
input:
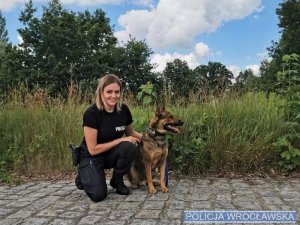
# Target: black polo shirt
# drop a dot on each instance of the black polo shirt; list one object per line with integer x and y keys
{"x": 110, "y": 125}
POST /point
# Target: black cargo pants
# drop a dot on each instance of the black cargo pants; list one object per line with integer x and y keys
{"x": 91, "y": 169}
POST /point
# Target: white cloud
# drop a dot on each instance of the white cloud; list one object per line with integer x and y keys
{"x": 178, "y": 23}
{"x": 91, "y": 2}
{"x": 234, "y": 69}
{"x": 138, "y": 30}
{"x": 201, "y": 51}
{"x": 254, "y": 68}
{"x": 8, "y": 5}
{"x": 20, "y": 39}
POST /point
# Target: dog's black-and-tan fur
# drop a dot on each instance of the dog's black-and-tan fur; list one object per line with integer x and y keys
{"x": 154, "y": 150}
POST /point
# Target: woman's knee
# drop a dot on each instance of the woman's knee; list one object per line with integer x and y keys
{"x": 129, "y": 147}
{"x": 98, "y": 196}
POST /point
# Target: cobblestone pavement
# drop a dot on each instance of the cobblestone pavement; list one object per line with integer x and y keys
{"x": 60, "y": 202}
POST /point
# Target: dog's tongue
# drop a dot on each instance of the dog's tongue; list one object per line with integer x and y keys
{"x": 174, "y": 129}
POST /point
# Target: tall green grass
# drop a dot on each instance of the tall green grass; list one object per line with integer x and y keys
{"x": 35, "y": 131}
{"x": 241, "y": 131}
{"x": 230, "y": 134}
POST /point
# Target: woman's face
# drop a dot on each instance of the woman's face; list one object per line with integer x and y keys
{"x": 110, "y": 96}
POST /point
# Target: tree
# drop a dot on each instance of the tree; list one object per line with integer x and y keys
{"x": 3, "y": 31}
{"x": 178, "y": 77}
{"x": 241, "y": 80}
{"x": 288, "y": 86}
{"x": 3, "y": 56}
{"x": 247, "y": 81}
{"x": 289, "y": 16}
{"x": 201, "y": 82}
{"x": 268, "y": 70}
{"x": 62, "y": 47}
{"x": 134, "y": 66}
{"x": 214, "y": 75}
{"x": 3, "y": 37}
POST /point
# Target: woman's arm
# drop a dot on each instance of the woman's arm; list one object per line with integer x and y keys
{"x": 90, "y": 135}
{"x": 129, "y": 131}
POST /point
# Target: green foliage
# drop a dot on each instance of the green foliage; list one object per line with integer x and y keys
{"x": 288, "y": 86}
{"x": 241, "y": 130}
{"x": 147, "y": 94}
{"x": 133, "y": 65}
{"x": 6, "y": 157}
{"x": 188, "y": 152}
{"x": 289, "y": 15}
{"x": 215, "y": 76}
{"x": 231, "y": 134}
{"x": 62, "y": 46}
{"x": 247, "y": 82}
{"x": 35, "y": 131}
{"x": 3, "y": 31}
{"x": 3, "y": 59}
{"x": 178, "y": 77}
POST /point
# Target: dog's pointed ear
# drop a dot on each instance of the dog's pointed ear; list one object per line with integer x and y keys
{"x": 160, "y": 109}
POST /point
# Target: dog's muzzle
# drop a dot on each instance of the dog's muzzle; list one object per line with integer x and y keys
{"x": 173, "y": 127}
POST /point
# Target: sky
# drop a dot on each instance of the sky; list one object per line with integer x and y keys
{"x": 235, "y": 33}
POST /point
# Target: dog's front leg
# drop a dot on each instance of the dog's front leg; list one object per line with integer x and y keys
{"x": 162, "y": 176}
{"x": 151, "y": 188}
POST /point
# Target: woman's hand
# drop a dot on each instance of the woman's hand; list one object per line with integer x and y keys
{"x": 131, "y": 139}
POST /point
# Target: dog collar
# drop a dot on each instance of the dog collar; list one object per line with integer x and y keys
{"x": 154, "y": 132}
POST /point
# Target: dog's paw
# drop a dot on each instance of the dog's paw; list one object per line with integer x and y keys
{"x": 152, "y": 190}
{"x": 134, "y": 186}
{"x": 164, "y": 189}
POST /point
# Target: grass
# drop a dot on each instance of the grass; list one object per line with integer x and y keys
{"x": 231, "y": 134}
{"x": 241, "y": 131}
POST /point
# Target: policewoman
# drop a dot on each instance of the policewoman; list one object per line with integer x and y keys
{"x": 109, "y": 141}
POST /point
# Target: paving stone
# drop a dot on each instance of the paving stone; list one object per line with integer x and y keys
{"x": 71, "y": 214}
{"x": 153, "y": 205}
{"x": 175, "y": 204}
{"x": 62, "y": 222}
{"x": 36, "y": 221}
{"x": 148, "y": 214}
{"x": 9, "y": 221}
{"x": 172, "y": 214}
{"x": 200, "y": 205}
{"x": 144, "y": 222}
{"x": 120, "y": 215}
{"x": 200, "y": 196}
{"x": 60, "y": 203}
{"x": 130, "y": 206}
{"x": 4, "y": 212}
{"x": 21, "y": 214}
{"x": 43, "y": 203}
{"x": 91, "y": 219}
{"x": 169, "y": 222}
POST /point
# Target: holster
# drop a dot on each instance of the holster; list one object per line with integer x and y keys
{"x": 75, "y": 150}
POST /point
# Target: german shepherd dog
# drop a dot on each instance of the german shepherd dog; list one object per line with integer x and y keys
{"x": 153, "y": 150}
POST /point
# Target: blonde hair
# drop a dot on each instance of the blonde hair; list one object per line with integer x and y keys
{"x": 103, "y": 82}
